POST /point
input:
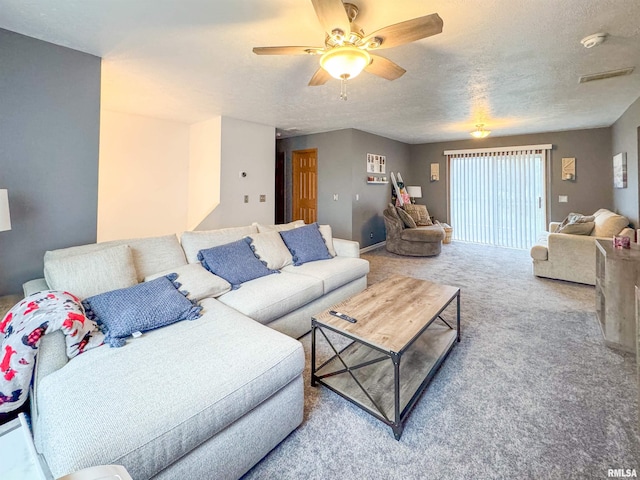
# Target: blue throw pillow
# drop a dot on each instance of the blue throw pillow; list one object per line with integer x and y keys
{"x": 305, "y": 244}
{"x": 140, "y": 308}
{"x": 235, "y": 262}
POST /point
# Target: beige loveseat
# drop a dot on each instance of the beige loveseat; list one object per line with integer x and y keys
{"x": 573, "y": 257}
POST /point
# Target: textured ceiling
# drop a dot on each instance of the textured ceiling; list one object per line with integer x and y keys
{"x": 513, "y": 65}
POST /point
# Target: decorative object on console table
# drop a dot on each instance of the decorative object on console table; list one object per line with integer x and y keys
{"x": 617, "y": 274}
{"x": 414, "y": 191}
{"x": 5, "y": 216}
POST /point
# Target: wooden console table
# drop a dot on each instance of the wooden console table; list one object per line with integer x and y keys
{"x": 617, "y": 274}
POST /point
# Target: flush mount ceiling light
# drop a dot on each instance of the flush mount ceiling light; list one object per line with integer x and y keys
{"x": 593, "y": 40}
{"x": 480, "y": 132}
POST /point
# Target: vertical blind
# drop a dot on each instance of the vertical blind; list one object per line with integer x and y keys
{"x": 497, "y": 197}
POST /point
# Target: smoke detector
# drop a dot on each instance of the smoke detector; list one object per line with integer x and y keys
{"x": 593, "y": 40}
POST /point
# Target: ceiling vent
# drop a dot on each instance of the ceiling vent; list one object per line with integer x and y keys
{"x": 603, "y": 75}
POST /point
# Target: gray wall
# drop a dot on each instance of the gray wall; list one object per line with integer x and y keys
{"x": 625, "y": 134}
{"x": 49, "y": 132}
{"x": 342, "y": 171}
{"x": 590, "y": 191}
{"x": 367, "y": 212}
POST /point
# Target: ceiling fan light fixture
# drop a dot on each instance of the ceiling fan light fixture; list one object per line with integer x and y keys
{"x": 345, "y": 63}
{"x": 480, "y": 132}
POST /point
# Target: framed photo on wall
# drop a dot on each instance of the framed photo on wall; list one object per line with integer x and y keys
{"x": 620, "y": 170}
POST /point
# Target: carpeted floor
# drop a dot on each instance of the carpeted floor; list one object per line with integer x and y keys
{"x": 530, "y": 392}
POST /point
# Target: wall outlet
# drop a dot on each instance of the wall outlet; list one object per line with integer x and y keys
{"x": 335, "y": 197}
{"x": 263, "y": 198}
{"x": 371, "y": 235}
{"x": 563, "y": 199}
{"x": 246, "y": 199}
{"x": 357, "y": 197}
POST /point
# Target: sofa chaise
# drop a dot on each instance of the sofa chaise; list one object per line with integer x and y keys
{"x": 570, "y": 257}
{"x": 206, "y": 398}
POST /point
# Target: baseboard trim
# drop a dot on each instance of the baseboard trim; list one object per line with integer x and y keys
{"x": 373, "y": 247}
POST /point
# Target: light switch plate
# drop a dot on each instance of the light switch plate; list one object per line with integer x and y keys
{"x": 263, "y": 198}
{"x": 246, "y": 199}
{"x": 335, "y": 197}
{"x": 563, "y": 199}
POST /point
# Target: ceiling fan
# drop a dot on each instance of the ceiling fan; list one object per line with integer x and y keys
{"x": 346, "y": 50}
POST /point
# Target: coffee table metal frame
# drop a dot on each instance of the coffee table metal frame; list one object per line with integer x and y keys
{"x": 399, "y": 418}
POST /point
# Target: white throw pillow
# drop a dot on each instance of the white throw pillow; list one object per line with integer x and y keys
{"x": 90, "y": 274}
{"x": 197, "y": 281}
{"x": 325, "y": 231}
{"x": 270, "y": 248}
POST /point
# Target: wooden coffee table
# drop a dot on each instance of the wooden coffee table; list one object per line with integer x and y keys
{"x": 396, "y": 346}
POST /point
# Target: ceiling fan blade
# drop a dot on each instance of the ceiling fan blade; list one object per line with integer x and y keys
{"x": 319, "y": 78}
{"x": 385, "y": 68}
{"x": 287, "y": 50}
{"x": 406, "y": 32}
{"x": 332, "y": 15}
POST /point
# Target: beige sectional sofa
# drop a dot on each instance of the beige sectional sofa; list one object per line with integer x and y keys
{"x": 570, "y": 257}
{"x": 206, "y": 398}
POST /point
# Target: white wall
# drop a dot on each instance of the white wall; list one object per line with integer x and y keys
{"x": 205, "y": 145}
{"x": 247, "y": 147}
{"x": 143, "y": 176}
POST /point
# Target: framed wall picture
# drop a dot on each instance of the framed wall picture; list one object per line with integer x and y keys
{"x": 620, "y": 170}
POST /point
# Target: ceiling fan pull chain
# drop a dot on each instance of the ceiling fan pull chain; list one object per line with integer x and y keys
{"x": 343, "y": 89}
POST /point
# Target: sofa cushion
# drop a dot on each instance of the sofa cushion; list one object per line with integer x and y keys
{"x": 267, "y": 298}
{"x": 408, "y": 221}
{"x": 150, "y": 255}
{"x": 89, "y": 274}
{"x": 235, "y": 262}
{"x": 305, "y": 244}
{"x": 193, "y": 242}
{"x": 197, "y": 281}
{"x": 334, "y": 273}
{"x": 578, "y": 228}
{"x": 156, "y": 404}
{"x": 279, "y": 228}
{"x": 139, "y": 308}
{"x": 608, "y": 223}
{"x": 269, "y": 247}
{"x": 434, "y": 233}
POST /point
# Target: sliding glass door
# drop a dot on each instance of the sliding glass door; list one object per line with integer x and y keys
{"x": 497, "y": 197}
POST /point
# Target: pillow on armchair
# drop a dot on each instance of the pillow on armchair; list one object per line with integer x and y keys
{"x": 408, "y": 221}
{"x": 419, "y": 213}
{"x": 577, "y": 224}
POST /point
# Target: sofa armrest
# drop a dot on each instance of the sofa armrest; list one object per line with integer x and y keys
{"x": 553, "y": 226}
{"x": 628, "y": 232}
{"x": 346, "y": 248}
{"x": 33, "y": 286}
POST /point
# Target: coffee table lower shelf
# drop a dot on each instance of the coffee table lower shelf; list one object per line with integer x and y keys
{"x": 385, "y": 384}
